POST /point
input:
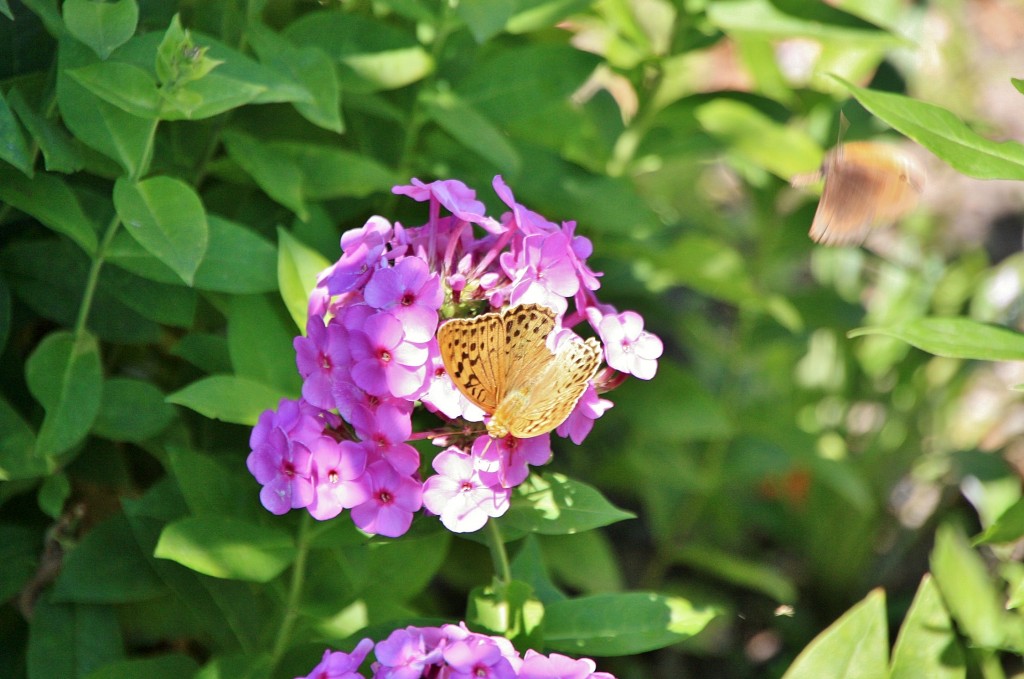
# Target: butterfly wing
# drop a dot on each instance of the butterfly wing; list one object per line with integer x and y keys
{"x": 555, "y": 390}
{"x": 526, "y": 328}
{"x": 473, "y": 351}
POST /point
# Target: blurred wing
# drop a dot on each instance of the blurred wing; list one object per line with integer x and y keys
{"x": 557, "y": 389}
{"x": 473, "y": 352}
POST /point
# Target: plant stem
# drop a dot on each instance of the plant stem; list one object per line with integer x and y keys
{"x": 498, "y": 553}
{"x": 291, "y": 607}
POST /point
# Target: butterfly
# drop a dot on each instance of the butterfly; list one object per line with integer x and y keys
{"x": 867, "y": 184}
{"x": 500, "y": 361}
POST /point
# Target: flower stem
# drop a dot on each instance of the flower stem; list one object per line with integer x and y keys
{"x": 498, "y": 553}
{"x": 291, "y": 606}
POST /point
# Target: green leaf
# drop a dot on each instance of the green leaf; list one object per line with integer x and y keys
{"x": 53, "y": 494}
{"x": 223, "y": 547}
{"x": 621, "y": 624}
{"x": 955, "y": 338}
{"x": 856, "y": 646}
{"x": 228, "y": 398}
{"x": 50, "y": 200}
{"x": 237, "y": 260}
{"x": 59, "y": 152}
{"x": 945, "y": 135}
{"x": 211, "y": 485}
{"x": 543, "y": 15}
{"x": 205, "y": 351}
{"x": 927, "y": 646}
{"x": 553, "y": 504}
{"x": 760, "y": 577}
{"x": 310, "y": 66}
{"x": 125, "y": 86}
{"x": 121, "y": 136}
{"x": 13, "y": 147}
{"x": 373, "y": 55}
{"x": 782, "y": 150}
{"x": 166, "y": 216}
{"x": 260, "y": 339}
{"x": 297, "y": 269}
{"x": 791, "y": 19}
{"x": 89, "y": 574}
{"x": 131, "y": 410}
{"x": 160, "y": 302}
{"x": 471, "y": 129}
{"x": 334, "y": 173}
{"x": 165, "y": 666}
{"x": 1009, "y": 527}
{"x": 103, "y": 26}
{"x": 19, "y": 553}
{"x": 280, "y": 178}
{"x": 967, "y": 589}
{"x": 17, "y": 448}
{"x": 583, "y": 561}
{"x": 509, "y": 609}
{"x": 71, "y": 640}
{"x": 64, "y": 375}
{"x": 485, "y": 18}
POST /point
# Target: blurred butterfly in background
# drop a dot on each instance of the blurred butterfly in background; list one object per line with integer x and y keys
{"x": 867, "y": 184}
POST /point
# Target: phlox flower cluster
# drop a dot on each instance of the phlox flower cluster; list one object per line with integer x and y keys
{"x": 450, "y": 652}
{"x": 370, "y": 357}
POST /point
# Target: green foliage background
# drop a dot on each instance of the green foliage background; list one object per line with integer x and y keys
{"x": 174, "y": 174}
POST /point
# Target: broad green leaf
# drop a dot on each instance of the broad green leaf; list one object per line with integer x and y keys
{"x": 731, "y": 568}
{"x": 297, "y": 270}
{"x": 223, "y": 547}
{"x": 1009, "y": 527}
{"x": 205, "y": 351}
{"x": 17, "y": 448}
{"x": 334, "y": 173}
{"x": 237, "y": 260}
{"x": 131, "y": 410}
{"x": 59, "y": 152}
{"x": 50, "y": 200}
{"x": 311, "y": 67}
{"x": 856, "y": 646}
{"x": 64, "y": 375}
{"x": 792, "y": 19}
{"x": 583, "y": 561}
{"x": 164, "y": 303}
{"x": 211, "y": 485}
{"x": 53, "y": 494}
{"x": 125, "y": 86}
{"x": 782, "y": 150}
{"x": 228, "y": 398}
{"x": 103, "y": 26}
{"x": 164, "y": 666}
{"x": 5, "y": 9}
{"x": 91, "y": 576}
{"x": 945, "y": 135}
{"x": 954, "y": 338}
{"x": 212, "y": 95}
{"x": 166, "y": 216}
{"x": 472, "y": 130}
{"x": 280, "y": 178}
{"x": 967, "y": 589}
{"x": 927, "y": 646}
{"x": 396, "y": 570}
{"x": 121, "y": 136}
{"x": 543, "y": 15}
{"x": 485, "y": 18}
{"x": 373, "y": 55}
{"x": 71, "y": 640}
{"x": 260, "y": 339}
{"x": 621, "y": 624}
{"x": 13, "y": 147}
{"x": 555, "y": 505}
{"x": 528, "y": 566}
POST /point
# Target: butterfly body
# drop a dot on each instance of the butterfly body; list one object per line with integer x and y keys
{"x": 867, "y": 184}
{"x": 501, "y": 362}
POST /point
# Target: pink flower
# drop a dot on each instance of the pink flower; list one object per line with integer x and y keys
{"x": 505, "y": 462}
{"x": 393, "y": 499}
{"x": 384, "y": 362}
{"x": 323, "y": 359}
{"x": 338, "y": 665}
{"x": 458, "y": 495}
{"x": 581, "y": 419}
{"x": 411, "y": 293}
{"x": 339, "y": 481}
{"x": 627, "y": 346}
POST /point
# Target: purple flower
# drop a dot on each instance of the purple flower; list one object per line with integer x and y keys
{"x": 581, "y": 419}
{"x": 338, "y": 665}
{"x": 544, "y": 271}
{"x": 411, "y": 293}
{"x": 458, "y": 495}
{"x": 406, "y": 653}
{"x": 477, "y": 657}
{"x": 455, "y": 196}
{"x": 393, "y": 499}
{"x": 385, "y": 431}
{"x": 556, "y": 666}
{"x": 505, "y": 462}
{"x": 280, "y": 459}
{"x": 362, "y": 250}
{"x": 627, "y": 346}
{"x": 384, "y": 362}
{"x": 339, "y": 482}
{"x": 322, "y": 359}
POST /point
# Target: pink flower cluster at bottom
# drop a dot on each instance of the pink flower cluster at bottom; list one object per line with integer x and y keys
{"x": 450, "y": 652}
